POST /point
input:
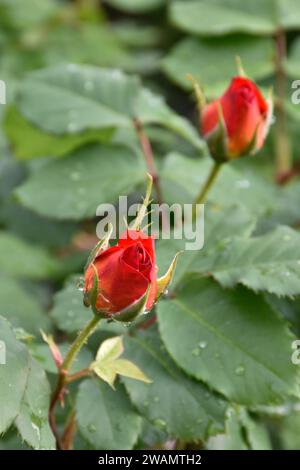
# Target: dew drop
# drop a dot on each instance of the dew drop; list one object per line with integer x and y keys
{"x": 75, "y": 176}
{"x": 242, "y": 184}
{"x": 203, "y": 344}
{"x": 91, "y": 427}
{"x": 160, "y": 423}
{"x": 240, "y": 370}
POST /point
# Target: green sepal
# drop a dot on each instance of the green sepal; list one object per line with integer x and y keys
{"x": 90, "y": 297}
{"x": 217, "y": 140}
{"x": 164, "y": 282}
{"x": 101, "y": 246}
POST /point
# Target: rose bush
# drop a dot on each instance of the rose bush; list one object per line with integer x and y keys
{"x": 98, "y": 348}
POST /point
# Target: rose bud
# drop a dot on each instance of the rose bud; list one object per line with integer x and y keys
{"x": 237, "y": 123}
{"x": 126, "y": 274}
{"x": 121, "y": 281}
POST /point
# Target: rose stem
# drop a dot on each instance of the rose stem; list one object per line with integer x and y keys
{"x": 283, "y": 148}
{"x": 63, "y": 372}
{"x": 69, "y": 432}
{"x": 201, "y": 198}
{"x": 149, "y": 158}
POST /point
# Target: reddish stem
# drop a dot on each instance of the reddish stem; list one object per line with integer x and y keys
{"x": 149, "y": 158}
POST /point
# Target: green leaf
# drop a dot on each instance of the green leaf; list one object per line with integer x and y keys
{"x": 20, "y": 15}
{"x": 107, "y": 364}
{"x": 29, "y": 142}
{"x": 73, "y": 187}
{"x": 13, "y": 375}
{"x": 110, "y": 349}
{"x": 218, "y": 17}
{"x": 221, "y": 337}
{"x": 242, "y": 433}
{"x": 233, "y": 438}
{"x": 203, "y": 58}
{"x": 182, "y": 178}
{"x": 18, "y": 258}
{"x": 136, "y": 6}
{"x": 69, "y": 313}
{"x": 91, "y": 98}
{"x": 106, "y": 418}
{"x": 292, "y": 62}
{"x": 20, "y": 307}
{"x": 290, "y": 431}
{"x": 173, "y": 402}
{"x": 152, "y": 109}
{"x": 32, "y": 420}
{"x": 85, "y": 97}
{"x": 270, "y": 262}
{"x": 220, "y": 226}
{"x": 128, "y": 369}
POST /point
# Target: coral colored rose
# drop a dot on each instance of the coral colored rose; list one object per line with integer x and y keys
{"x": 125, "y": 272}
{"x": 246, "y": 115}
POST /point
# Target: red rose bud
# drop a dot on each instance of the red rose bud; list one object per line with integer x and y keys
{"x": 237, "y": 123}
{"x": 126, "y": 273}
{"x": 121, "y": 281}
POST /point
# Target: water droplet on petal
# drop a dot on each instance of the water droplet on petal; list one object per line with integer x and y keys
{"x": 80, "y": 284}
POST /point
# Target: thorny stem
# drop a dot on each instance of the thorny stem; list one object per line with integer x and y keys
{"x": 283, "y": 148}
{"x": 149, "y": 158}
{"x": 64, "y": 378}
{"x": 201, "y": 198}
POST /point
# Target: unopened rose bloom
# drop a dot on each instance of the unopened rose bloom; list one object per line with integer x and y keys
{"x": 127, "y": 275}
{"x": 237, "y": 123}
